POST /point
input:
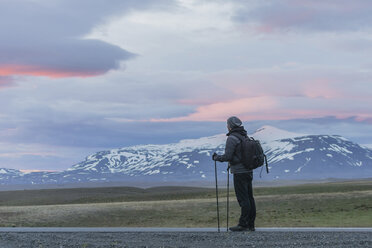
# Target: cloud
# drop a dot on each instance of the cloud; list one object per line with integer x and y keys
{"x": 197, "y": 66}
{"x": 245, "y": 108}
{"x": 46, "y": 38}
{"x": 64, "y": 58}
{"x": 283, "y": 93}
{"x": 277, "y": 108}
{"x": 353, "y": 44}
{"x": 5, "y": 81}
{"x": 295, "y": 15}
{"x": 36, "y": 156}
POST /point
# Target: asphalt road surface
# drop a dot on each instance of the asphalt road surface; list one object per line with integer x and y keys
{"x": 181, "y": 237}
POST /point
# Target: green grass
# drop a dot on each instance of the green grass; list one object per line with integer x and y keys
{"x": 347, "y": 204}
{"x": 317, "y": 210}
{"x": 316, "y": 188}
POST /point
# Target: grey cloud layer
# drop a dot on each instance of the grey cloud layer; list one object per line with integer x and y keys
{"x": 47, "y": 35}
{"x": 5, "y": 81}
{"x": 324, "y": 15}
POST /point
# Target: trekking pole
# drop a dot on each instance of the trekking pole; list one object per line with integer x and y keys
{"x": 218, "y": 211}
{"x": 228, "y": 191}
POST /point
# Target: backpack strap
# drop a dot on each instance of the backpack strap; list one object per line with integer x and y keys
{"x": 240, "y": 137}
{"x": 236, "y": 137}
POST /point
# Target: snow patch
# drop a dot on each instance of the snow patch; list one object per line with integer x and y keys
{"x": 152, "y": 172}
{"x": 338, "y": 148}
{"x": 189, "y": 166}
{"x": 299, "y": 168}
{"x": 368, "y": 146}
{"x": 269, "y": 133}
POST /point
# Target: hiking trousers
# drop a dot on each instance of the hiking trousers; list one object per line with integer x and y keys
{"x": 244, "y": 195}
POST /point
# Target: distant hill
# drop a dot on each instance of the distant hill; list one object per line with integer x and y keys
{"x": 291, "y": 156}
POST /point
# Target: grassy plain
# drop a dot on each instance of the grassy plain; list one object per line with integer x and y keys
{"x": 346, "y": 204}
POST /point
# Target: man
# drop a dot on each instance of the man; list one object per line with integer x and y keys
{"x": 242, "y": 176}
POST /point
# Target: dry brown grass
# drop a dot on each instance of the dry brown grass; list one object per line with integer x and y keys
{"x": 353, "y": 208}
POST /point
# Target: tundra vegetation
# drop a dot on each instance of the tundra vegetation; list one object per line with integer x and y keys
{"x": 341, "y": 204}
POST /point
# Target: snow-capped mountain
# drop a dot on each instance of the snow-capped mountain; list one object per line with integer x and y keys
{"x": 6, "y": 174}
{"x": 318, "y": 157}
{"x": 269, "y": 133}
{"x": 290, "y": 155}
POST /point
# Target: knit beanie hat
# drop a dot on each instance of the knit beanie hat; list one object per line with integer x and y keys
{"x": 234, "y": 121}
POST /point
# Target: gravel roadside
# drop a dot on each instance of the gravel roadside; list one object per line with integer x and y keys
{"x": 187, "y": 239}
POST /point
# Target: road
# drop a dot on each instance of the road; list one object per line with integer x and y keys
{"x": 184, "y": 237}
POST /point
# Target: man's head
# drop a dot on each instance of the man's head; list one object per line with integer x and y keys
{"x": 233, "y": 122}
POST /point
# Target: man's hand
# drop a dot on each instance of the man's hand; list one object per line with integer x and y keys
{"x": 214, "y": 156}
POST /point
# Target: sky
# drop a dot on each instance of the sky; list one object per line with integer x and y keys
{"x": 81, "y": 76}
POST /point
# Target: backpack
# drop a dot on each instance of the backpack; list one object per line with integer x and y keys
{"x": 252, "y": 153}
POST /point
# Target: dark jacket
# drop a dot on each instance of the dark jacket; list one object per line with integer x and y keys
{"x": 233, "y": 151}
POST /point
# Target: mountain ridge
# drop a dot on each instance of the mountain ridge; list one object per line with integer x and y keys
{"x": 291, "y": 156}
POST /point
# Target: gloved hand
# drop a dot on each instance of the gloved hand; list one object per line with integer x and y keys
{"x": 214, "y": 156}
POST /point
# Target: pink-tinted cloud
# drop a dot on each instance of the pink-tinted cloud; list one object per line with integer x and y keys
{"x": 308, "y": 82}
{"x": 45, "y": 38}
{"x": 30, "y": 70}
{"x": 283, "y": 94}
{"x": 275, "y": 108}
{"x": 63, "y": 58}
{"x": 218, "y": 111}
{"x": 321, "y": 88}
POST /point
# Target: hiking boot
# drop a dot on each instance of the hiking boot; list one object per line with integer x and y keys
{"x": 251, "y": 229}
{"x": 239, "y": 228}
